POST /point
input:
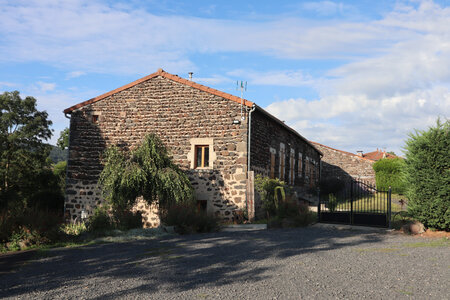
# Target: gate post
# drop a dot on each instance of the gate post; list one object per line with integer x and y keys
{"x": 389, "y": 207}
{"x": 351, "y": 202}
{"x": 318, "y": 205}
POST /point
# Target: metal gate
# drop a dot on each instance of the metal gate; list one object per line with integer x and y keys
{"x": 357, "y": 203}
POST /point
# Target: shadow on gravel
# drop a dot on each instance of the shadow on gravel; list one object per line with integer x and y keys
{"x": 175, "y": 263}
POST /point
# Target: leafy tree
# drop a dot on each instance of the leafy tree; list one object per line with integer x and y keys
{"x": 22, "y": 152}
{"x": 146, "y": 171}
{"x": 428, "y": 175}
{"x": 390, "y": 172}
{"x": 63, "y": 140}
{"x": 59, "y": 171}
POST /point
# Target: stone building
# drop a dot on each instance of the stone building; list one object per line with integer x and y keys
{"x": 345, "y": 165}
{"x": 214, "y": 136}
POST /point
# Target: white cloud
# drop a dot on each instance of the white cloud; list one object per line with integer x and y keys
{"x": 101, "y": 38}
{"x": 46, "y": 86}
{"x": 397, "y": 75}
{"x": 278, "y": 78}
{"x": 324, "y": 8}
{"x": 75, "y": 74}
{"x": 4, "y": 84}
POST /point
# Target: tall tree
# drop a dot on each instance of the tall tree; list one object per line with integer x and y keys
{"x": 63, "y": 140}
{"x": 23, "y": 153}
{"x": 428, "y": 175}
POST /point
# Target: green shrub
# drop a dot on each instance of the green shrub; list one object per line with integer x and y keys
{"x": 126, "y": 219}
{"x": 100, "y": 219}
{"x": 428, "y": 176}
{"x": 29, "y": 227}
{"x": 332, "y": 202}
{"x": 390, "y": 172}
{"x": 292, "y": 214}
{"x": 188, "y": 219}
{"x": 266, "y": 188}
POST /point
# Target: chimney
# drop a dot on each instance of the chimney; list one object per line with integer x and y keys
{"x": 359, "y": 153}
{"x": 190, "y": 75}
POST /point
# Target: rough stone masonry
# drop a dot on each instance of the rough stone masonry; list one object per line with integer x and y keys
{"x": 186, "y": 116}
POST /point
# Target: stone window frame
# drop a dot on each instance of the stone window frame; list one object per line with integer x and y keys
{"x": 273, "y": 153}
{"x": 93, "y": 116}
{"x": 307, "y": 168}
{"x": 282, "y": 166}
{"x": 300, "y": 164}
{"x": 202, "y": 142}
{"x": 292, "y": 167}
{"x": 203, "y": 156}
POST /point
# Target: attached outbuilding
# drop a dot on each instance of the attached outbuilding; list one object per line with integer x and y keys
{"x": 220, "y": 140}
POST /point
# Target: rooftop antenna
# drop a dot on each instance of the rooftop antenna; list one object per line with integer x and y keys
{"x": 243, "y": 86}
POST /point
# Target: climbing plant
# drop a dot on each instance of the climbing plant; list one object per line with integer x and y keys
{"x": 146, "y": 171}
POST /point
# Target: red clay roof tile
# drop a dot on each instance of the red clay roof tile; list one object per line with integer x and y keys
{"x": 164, "y": 74}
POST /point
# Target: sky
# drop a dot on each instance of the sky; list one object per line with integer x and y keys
{"x": 353, "y": 75}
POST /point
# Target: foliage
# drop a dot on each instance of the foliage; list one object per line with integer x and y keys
{"x": 59, "y": 171}
{"x": 146, "y": 171}
{"x": 126, "y": 219}
{"x": 22, "y": 152}
{"x": 390, "y": 172}
{"x": 74, "y": 229}
{"x": 266, "y": 189}
{"x": 332, "y": 202}
{"x": 100, "y": 219}
{"x": 188, "y": 219}
{"x": 292, "y": 214}
{"x": 28, "y": 227}
{"x": 56, "y": 154}
{"x": 428, "y": 175}
{"x": 63, "y": 140}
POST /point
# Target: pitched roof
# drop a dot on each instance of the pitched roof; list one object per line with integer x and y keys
{"x": 164, "y": 74}
{"x": 378, "y": 154}
{"x": 345, "y": 152}
{"x": 190, "y": 83}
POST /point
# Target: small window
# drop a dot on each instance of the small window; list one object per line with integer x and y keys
{"x": 300, "y": 165}
{"x": 94, "y": 119}
{"x": 282, "y": 161}
{"x": 292, "y": 167}
{"x": 201, "y": 156}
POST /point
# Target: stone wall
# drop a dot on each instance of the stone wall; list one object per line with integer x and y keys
{"x": 180, "y": 115}
{"x": 268, "y": 137}
{"x": 345, "y": 165}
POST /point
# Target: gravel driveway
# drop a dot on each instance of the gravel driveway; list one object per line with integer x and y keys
{"x": 301, "y": 263}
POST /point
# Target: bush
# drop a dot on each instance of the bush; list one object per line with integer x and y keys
{"x": 126, "y": 219}
{"x": 188, "y": 219}
{"x": 292, "y": 214}
{"x": 29, "y": 227}
{"x": 266, "y": 188}
{"x": 100, "y": 219}
{"x": 428, "y": 176}
{"x": 390, "y": 172}
{"x": 332, "y": 202}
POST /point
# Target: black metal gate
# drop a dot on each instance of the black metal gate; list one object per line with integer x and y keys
{"x": 357, "y": 203}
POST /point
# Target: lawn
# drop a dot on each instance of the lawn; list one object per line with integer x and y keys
{"x": 374, "y": 203}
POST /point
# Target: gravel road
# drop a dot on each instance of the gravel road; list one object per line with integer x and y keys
{"x": 301, "y": 263}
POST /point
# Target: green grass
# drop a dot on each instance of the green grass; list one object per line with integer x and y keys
{"x": 367, "y": 204}
{"x": 444, "y": 242}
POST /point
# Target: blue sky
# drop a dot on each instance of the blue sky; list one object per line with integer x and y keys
{"x": 354, "y": 75}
